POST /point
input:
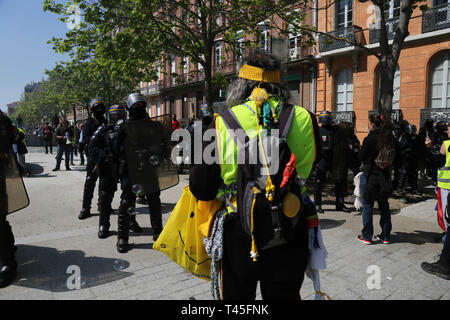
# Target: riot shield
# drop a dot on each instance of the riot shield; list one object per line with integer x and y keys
{"x": 147, "y": 149}
{"x": 13, "y": 195}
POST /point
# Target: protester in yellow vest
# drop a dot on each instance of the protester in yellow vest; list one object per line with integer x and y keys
{"x": 441, "y": 268}
{"x": 262, "y": 235}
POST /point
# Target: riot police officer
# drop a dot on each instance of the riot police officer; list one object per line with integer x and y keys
{"x": 8, "y": 264}
{"x": 327, "y": 134}
{"x": 101, "y": 151}
{"x": 426, "y": 131}
{"x": 98, "y": 110}
{"x": 136, "y": 106}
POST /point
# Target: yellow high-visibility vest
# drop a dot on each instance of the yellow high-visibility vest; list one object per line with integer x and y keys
{"x": 444, "y": 172}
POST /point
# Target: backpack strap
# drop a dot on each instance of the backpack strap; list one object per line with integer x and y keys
{"x": 232, "y": 124}
{"x": 285, "y": 120}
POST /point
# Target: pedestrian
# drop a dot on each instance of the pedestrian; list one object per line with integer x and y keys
{"x": 175, "y": 123}
{"x": 107, "y": 164}
{"x": 48, "y": 138}
{"x": 261, "y": 241}
{"x": 73, "y": 141}
{"x": 331, "y": 147}
{"x": 441, "y": 268}
{"x": 8, "y": 263}
{"x": 97, "y": 118}
{"x": 377, "y": 155}
{"x": 81, "y": 146}
{"x": 63, "y": 138}
{"x": 20, "y": 148}
{"x": 137, "y": 123}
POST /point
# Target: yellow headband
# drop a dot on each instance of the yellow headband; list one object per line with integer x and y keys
{"x": 258, "y": 74}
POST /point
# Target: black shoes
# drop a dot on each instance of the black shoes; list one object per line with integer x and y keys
{"x": 319, "y": 209}
{"x": 103, "y": 232}
{"x": 84, "y": 214}
{"x": 68, "y": 169}
{"x": 134, "y": 226}
{"x": 122, "y": 246}
{"x": 56, "y": 169}
{"x": 341, "y": 207}
{"x": 441, "y": 268}
{"x": 7, "y": 275}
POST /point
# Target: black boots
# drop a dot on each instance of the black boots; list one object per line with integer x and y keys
{"x": 7, "y": 275}
{"x": 122, "y": 245}
{"x": 441, "y": 268}
{"x": 103, "y": 232}
{"x": 84, "y": 214}
{"x": 340, "y": 206}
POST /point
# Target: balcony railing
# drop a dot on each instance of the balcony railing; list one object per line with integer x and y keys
{"x": 352, "y": 33}
{"x": 226, "y": 68}
{"x": 436, "y": 18}
{"x": 153, "y": 89}
{"x": 391, "y": 26}
{"x": 173, "y": 81}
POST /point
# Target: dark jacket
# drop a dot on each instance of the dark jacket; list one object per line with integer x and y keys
{"x": 378, "y": 183}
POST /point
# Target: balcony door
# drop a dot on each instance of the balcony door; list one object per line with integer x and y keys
{"x": 344, "y": 90}
{"x": 344, "y": 14}
{"x": 439, "y": 83}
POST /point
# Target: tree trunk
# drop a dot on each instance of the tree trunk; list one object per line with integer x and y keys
{"x": 386, "y": 88}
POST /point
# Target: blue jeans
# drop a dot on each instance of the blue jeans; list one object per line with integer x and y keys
{"x": 63, "y": 148}
{"x": 367, "y": 214}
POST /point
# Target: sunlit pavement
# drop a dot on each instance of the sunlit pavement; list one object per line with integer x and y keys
{"x": 57, "y": 252}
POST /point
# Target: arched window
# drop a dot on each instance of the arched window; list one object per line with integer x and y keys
{"x": 344, "y": 90}
{"x": 439, "y": 83}
{"x": 396, "y": 88}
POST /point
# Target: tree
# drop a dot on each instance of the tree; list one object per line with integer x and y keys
{"x": 137, "y": 34}
{"x": 388, "y": 54}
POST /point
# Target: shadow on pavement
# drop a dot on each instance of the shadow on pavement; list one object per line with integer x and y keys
{"x": 165, "y": 208}
{"x": 417, "y": 237}
{"x": 48, "y": 269}
{"x": 330, "y": 224}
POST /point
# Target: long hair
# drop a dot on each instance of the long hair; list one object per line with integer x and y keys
{"x": 240, "y": 89}
{"x": 385, "y": 135}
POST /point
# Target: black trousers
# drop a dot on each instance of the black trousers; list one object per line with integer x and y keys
{"x": 7, "y": 248}
{"x": 89, "y": 184}
{"x": 339, "y": 186}
{"x": 128, "y": 204}
{"x": 48, "y": 143}
{"x": 107, "y": 188}
{"x": 279, "y": 270}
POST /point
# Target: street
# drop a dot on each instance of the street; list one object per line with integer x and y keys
{"x": 52, "y": 243}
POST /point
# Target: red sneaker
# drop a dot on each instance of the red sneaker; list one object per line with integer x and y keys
{"x": 364, "y": 240}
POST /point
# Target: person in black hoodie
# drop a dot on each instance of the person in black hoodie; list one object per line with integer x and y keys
{"x": 376, "y": 182}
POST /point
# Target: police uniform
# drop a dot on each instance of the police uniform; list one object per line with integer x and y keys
{"x": 329, "y": 150}
{"x": 280, "y": 269}
{"x": 89, "y": 127}
{"x": 128, "y": 196}
{"x": 8, "y": 264}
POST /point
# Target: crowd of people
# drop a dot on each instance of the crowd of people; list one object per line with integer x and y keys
{"x": 267, "y": 219}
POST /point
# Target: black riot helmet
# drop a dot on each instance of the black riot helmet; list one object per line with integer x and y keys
{"x": 429, "y": 123}
{"x": 441, "y": 126}
{"x": 97, "y": 106}
{"x": 136, "y": 100}
{"x": 411, "y": 129}
{"x": 137, "y": 106}
{"x": 116, "y": 112}
{"x": 206, "y": 114}
{"x": 325, "y": 117}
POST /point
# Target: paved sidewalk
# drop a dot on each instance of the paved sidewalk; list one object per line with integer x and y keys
{"x": 51, "y": 241}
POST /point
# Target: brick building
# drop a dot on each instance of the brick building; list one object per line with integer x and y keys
{"x": 333, "y": 75}
{"x": 348, "y": 77}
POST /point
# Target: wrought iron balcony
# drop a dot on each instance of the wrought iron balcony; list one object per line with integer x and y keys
{"x": 436, "y": 18}
{"x": 351, "y": 33}
{"x": 153, "y": 89}
{"x": 391, "y": 26}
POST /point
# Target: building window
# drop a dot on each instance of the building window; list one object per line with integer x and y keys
{"x": 396, "y": 88}
{"x": 264, "y": 37}
{"x": 439, "y": 85}
{"x": 344, "y": 90}
{"x": 394, "y": 9}
{"x": 344, "y": 13}
{"x": 218, "y": 53}
{"x": 158, "y": 107}
{"x": 239, "y": 48}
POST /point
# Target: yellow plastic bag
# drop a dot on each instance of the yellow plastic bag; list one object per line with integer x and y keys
{"x": 181, "y": 239}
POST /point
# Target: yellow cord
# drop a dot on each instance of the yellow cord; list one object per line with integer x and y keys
{"x": 254, "y": 252}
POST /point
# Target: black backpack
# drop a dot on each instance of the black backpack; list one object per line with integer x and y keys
{"x": 270, "y": 226}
